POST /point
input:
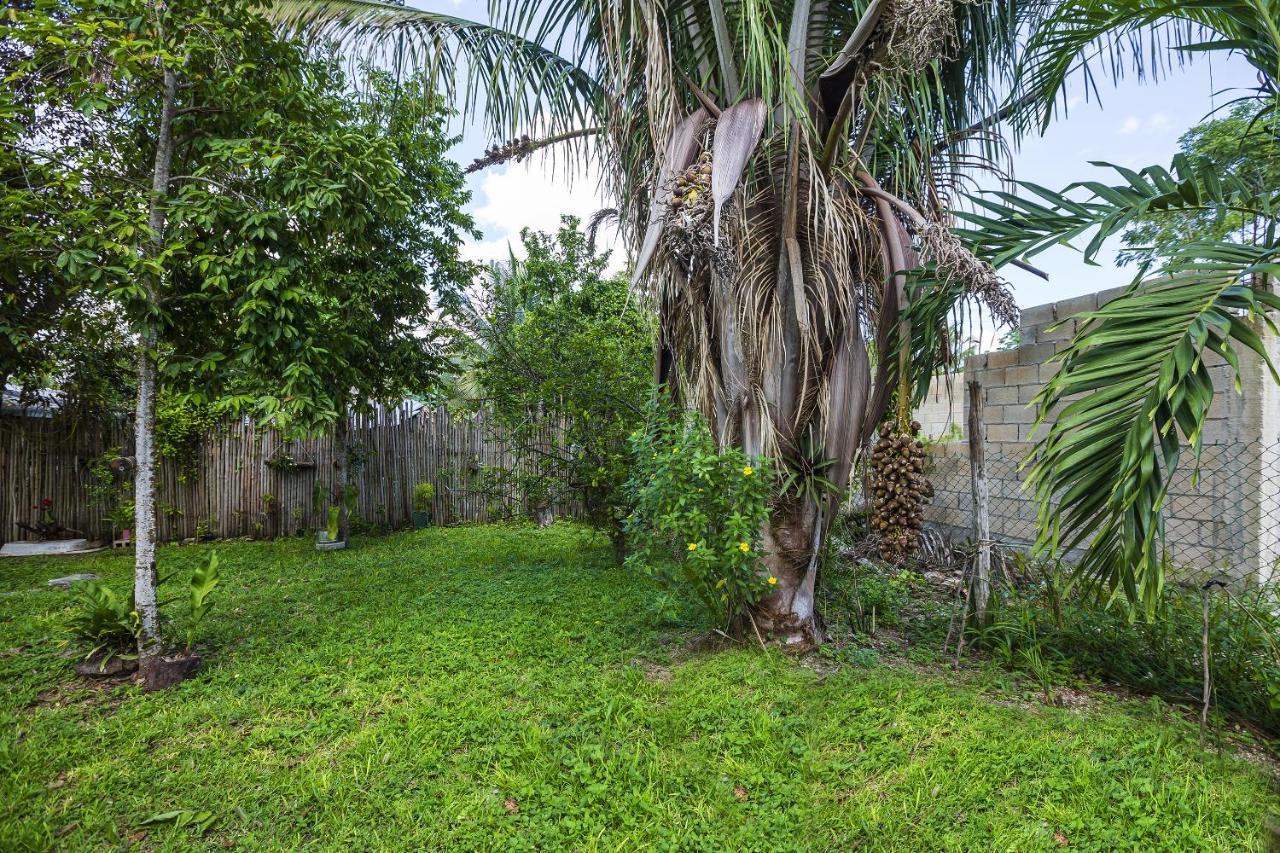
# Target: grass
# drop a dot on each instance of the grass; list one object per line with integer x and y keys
{"x": 508, "y": 688}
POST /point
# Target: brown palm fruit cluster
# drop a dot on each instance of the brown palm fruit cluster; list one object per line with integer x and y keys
{"x": 691, "y": 193}
{"x": 899, "y": 490}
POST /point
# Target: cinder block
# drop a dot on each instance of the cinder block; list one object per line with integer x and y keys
{"x": 1039, "y": 315}
{"x": 1002, "y": 432}
{"x": 1027, "y": 393}
{"x": 1002, "y": 395}
{"x": 1064, "y": 331}
{"x": 1105, "y": 296}
{"x": 1045, "y": 372}
{"x": 1017, "y": 414}
{"x": 1024, "y": 374}
{"x": 1037, "y": 353}
{"x": 1077, "y": 305}
{"x": 1004, "y": 358}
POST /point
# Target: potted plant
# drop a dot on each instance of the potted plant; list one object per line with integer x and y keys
{"x": 327, "y": 538}
{"x": 423, "y": 496}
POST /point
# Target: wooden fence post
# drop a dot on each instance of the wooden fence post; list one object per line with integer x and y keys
{"x": 981, "y": 502}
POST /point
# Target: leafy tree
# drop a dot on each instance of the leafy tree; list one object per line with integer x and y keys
{"x": 1133, "y": 391}
{"x": 217, "y": 172}
{"x": 1235, "y": 145}
{"x": 560, "y": 348}
{"x": 776, "y": 166}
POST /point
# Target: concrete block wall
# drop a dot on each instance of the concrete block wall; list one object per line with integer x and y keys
{"x": 1226, "y": 518}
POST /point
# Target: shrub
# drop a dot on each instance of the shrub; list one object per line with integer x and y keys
{"x": 423, "y": 495}
{"x": 698, "y": 514}
{"x": 103, "y": 622}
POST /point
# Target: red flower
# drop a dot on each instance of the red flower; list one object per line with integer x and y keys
{"x": 46, "y": 503}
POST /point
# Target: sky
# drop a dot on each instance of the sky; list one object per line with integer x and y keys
{"x": 1132, "y": 124}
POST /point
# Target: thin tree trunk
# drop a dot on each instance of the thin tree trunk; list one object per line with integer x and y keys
{"x": 144, "y": 568}
{"x": 342, "y": 471}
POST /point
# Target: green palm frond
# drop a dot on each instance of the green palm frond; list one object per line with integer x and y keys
{"x": 513, "y": 83}
{"x": 1145, "y": 37}
{"x": 1132, "y": 391}
{"x": 1006, "y": 226}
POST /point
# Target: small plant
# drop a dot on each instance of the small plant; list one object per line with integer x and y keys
{"x": 423, "y": 496}
{"x": 106, "y": 623}
{"x": 698, "y": 515}
{"x": 203, "y": 580}
{"x": 332, "y": 526}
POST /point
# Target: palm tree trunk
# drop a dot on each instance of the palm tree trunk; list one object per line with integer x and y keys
{"x": 792, "y": 538}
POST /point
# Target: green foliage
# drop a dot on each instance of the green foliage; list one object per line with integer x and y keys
{"x": 698, "y": 514}
{"x": 101, "y": 621}
{"x": 181, "y": 427}
{"x": 1233, "y": 145}
{"x": 1161, "y": 654}
{"x": 306, "y": 229}
{"x": 423, "y": 496}
{"x": 562, "y": 357}
{"x": 203, "y": 580}
{"x": 537, "y": 675}
{"x": 331, "y": 525}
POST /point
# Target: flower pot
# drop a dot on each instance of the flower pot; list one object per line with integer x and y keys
{"x": 324, "y": 543}
{"x": 421, "y": 518}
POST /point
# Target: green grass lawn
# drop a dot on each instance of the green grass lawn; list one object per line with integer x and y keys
{"x": 508, "y": 688}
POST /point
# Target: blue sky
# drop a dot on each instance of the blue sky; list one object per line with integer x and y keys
{"x": 1132, "y": 124}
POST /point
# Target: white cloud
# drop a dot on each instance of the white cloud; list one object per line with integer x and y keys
{"x": 1158, "y": 121}
{"x": 532, "y": 195}
{"x": 1130, "y": 126}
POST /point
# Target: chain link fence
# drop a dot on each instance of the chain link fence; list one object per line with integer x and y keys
{"x": 1222, "y": 516}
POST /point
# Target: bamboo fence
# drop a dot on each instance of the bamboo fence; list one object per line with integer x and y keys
{"x": 233, "y": 491}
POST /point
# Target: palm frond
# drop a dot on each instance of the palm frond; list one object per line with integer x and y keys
{"x": 1145, "y": 37}
{"x": 1004, "y": 226}
{"x": 492, "y": 72}
{"x": 1132, "y": 391}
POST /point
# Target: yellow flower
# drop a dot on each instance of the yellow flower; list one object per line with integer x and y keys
{"x": 693, "y": 546}
{"x": 675, "y": 450}
{"x": 744, "y": 547}
{"x": 772, "y": 580}
{"x": 748, "y": 471}
{"x": 720, "y": 583}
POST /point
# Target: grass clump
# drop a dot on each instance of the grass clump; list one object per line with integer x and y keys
{"x": 503, "y": 687}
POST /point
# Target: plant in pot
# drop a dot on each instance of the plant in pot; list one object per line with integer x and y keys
{"x": 423, "y": 496}
{"x": 327, "y": 537}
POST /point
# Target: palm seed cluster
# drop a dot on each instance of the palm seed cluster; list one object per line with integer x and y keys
{"x": 900, "y": 489}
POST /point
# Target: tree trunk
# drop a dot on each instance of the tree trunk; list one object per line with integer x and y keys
{"x": 792, "y": 539}
{"x": 342, "y": 471}
{"x": 144, "y": 503}
{"x": 144, "y": 567}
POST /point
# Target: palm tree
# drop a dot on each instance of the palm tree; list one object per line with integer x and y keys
{"x": 778, "y": 166}
{"x": 1133, "y": 391}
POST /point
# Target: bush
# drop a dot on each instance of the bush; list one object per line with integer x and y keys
{"x": 103, "y": 622}
{"x": 698, "y": 514}
{"x": 423, "y": 495}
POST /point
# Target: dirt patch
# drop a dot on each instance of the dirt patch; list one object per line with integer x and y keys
{"x": 654, "y": 672}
